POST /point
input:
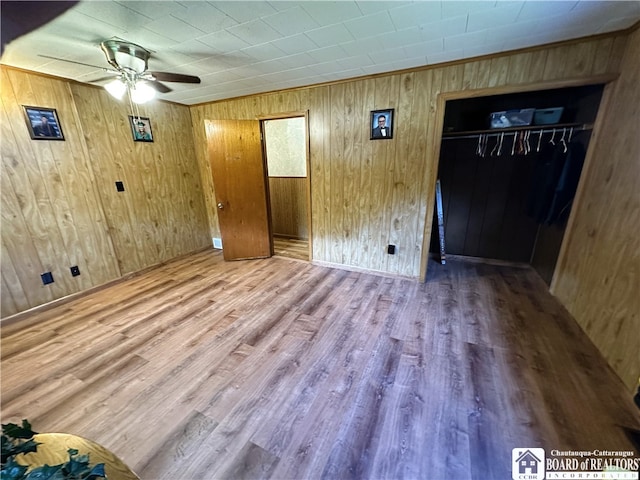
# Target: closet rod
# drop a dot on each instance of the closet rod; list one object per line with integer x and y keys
{"x": 515, "y": 130}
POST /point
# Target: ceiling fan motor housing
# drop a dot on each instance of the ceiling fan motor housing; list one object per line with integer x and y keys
{"x": 126, "y": 56}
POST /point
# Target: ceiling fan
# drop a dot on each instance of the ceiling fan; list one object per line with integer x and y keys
{"x": 130, "y": 62}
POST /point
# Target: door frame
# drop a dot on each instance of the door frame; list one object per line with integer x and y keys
{"x": 280, "y": 116}
{"x": 441, "y": 100}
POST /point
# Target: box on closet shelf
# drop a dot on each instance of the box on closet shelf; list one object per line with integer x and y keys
{"x": 547, "y": 116}
{"x": 511, "y": 118}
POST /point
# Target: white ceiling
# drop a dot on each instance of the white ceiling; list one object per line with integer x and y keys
{"x": 245, "y": 47}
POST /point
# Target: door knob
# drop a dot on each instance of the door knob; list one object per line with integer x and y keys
{"x": 220, "y": 205}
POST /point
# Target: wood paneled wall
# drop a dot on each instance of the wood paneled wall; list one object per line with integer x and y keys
{"x": 598, "y": 277}
{"x": 60, "y": 207}
{"x": 366, "y": 194}
{"x": 52, "y": 217}
{"x": 160, "y": 215}
{"x": 288, "y": 197}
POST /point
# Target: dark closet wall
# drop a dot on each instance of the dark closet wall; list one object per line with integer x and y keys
{"x": 488, "y": 199}
{"x": 484, "y": 200}
{"x": 550, "y": 234}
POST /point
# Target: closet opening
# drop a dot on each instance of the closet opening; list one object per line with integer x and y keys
{"x": 509, "y": 168}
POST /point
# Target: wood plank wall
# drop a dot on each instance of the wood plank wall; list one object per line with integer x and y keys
{"x": 52, "y": 217}
{"x": 366, "y": 194}
{"x": 598, "y": 278}
{"x": 161, "y": 213}
{"x": 60, "y": 207}
{"x": 288, "y": 197}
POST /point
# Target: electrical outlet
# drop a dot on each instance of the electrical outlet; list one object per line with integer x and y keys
{"x": 217, "y": 243}
{"x": 120, "y": 186}
{"x": 391, "y": 249}
{"x": 75, "y": 271}
{"x": 47, "y": 278}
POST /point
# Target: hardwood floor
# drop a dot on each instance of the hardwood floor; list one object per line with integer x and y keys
{"x": 275, "y": 368}
{"x": 291, "y": 247}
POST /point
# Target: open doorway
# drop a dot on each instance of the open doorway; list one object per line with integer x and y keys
{"x": 285, "y": 143}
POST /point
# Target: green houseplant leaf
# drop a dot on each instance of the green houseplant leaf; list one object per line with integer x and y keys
{"x": 12, "y": 471}
{"x": 18, "y": 439}
{"x": 18, "y": 431}
{"x": 46, "y": 472}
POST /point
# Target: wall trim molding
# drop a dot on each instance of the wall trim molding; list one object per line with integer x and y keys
{"x": 351, "y": 268}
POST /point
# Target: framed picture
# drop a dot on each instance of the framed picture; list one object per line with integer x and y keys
{"x": 141, "y": 129}
{"x": 382, "y": 124}
{"x": 43, "y": 123}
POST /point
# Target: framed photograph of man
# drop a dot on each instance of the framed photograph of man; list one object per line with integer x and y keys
{"x": 141, "y": 128}
{"x": 382, "y": 124}
{"x": 43, "y": 123}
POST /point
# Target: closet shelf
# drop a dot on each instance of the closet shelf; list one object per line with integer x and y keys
{"x": 498, "y": 131}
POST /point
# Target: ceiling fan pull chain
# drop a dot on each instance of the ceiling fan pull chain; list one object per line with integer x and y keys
{"x": 131, "y": 107}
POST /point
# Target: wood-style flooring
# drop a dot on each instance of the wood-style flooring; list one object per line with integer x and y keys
{"x": 291, "y": 247}
{"x": 275, "y": 368}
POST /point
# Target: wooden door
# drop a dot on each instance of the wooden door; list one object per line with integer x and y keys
{"x": 237, "y": 166}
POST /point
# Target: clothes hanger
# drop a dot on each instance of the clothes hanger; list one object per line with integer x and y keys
{"x": 553, "y": 136}
{"x": 539, "y": 141}
{"x": 563, "y": 142}
{"x": 495, "y": 147}
{"x": 481, "y": 149}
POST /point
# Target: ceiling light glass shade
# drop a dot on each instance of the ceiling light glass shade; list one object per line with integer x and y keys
{"x": 129, "y": 61}
{"x": 116, "y": 88}
{"x": 141, "y": 93}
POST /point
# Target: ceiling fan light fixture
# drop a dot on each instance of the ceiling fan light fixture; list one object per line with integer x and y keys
{"x": 124, "y": 60}
{"x": 125, "y": 55}
{"x": 142, "y": 93}
{"x": 116, "y": 88}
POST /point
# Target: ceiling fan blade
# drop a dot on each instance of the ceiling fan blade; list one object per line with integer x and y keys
{"x": 102, "y": 79}
{"x": 174, "y": 77}
{"x": 157, "y": 86}
{"x": 77, "y": 63}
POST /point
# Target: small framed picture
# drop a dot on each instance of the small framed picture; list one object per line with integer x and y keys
{"x": 43, "y": 123}
{"x": 382, "y": 124}
{"x": 141, "y": 129}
